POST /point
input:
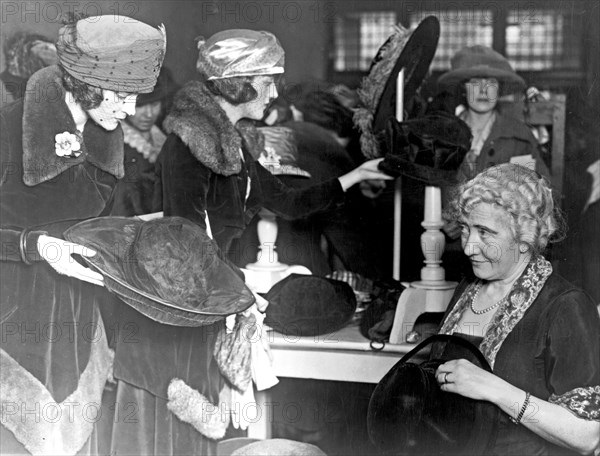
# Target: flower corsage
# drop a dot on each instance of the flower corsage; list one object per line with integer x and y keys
{"x": 67, "y": 145}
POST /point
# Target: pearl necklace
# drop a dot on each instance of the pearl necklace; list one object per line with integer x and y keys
{"x": 487, "y": 309}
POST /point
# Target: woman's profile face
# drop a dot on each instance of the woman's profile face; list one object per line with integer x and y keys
{"x": 488, "y": 241}
{"x": 482, "y": 94}
{"x": 267, "y": 91}
{"x": 115, "y": 106}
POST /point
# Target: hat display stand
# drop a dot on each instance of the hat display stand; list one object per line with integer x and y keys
{"x": 267, "y": 270}
{"x": 432, "y": 293}
{"x": 401, "y": 64}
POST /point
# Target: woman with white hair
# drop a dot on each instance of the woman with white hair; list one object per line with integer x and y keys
{"x": 537, "y": 331}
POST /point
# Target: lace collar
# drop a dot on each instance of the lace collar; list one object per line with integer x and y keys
{"x": 521, "y": 296}
{"x": 149, "y": 149}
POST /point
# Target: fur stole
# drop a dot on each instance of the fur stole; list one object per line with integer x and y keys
{"x": 203, "y": 126}
{"x": 45, "y": 114}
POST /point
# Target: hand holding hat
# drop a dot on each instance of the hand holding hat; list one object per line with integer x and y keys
{"x": 57, "y": 253}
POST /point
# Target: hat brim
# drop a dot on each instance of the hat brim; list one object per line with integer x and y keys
{"x": 510, "y": 80}
{"x": 409, "y": 414}
{"x": 111, "y": 238}
{"x": 397, "y": 167}
{"x": 415, "y": 58}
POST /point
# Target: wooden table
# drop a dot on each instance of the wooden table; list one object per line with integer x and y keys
{"x": 344, "y": 355}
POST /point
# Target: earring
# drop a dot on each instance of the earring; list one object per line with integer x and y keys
{"x": 523, "y": 248}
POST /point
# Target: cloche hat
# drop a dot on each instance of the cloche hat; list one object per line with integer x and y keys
{"x": 481, "y": 62}
{"x": 168, "y": 269}
{"x": 239, "y": 52}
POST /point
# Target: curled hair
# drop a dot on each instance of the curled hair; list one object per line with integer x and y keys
{"x": 236, "y": 90}
{"x": 523, "y": 194}
{"x": 89, "y": 97}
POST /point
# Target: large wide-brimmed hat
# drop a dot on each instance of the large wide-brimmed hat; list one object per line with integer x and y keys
{"x": 411, "y": 51}
{"x": 168, "y": 269}
{"x": 429, "y": 148}
{"x": 481, "y": 62}
{"x": 409, "y": 414}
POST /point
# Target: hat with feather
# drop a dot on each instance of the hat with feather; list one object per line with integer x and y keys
{"x": 411, "y": 51}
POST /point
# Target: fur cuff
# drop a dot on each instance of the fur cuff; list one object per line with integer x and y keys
{"x": 194, "y": 408}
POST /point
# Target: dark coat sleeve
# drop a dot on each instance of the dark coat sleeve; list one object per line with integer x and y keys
{"x": 182, "y": 184}
{"x": 292, "y": 203}
{"x": 12, "y": 246}
{"x": 573, "y": 345}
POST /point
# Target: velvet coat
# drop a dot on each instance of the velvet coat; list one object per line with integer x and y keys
{"x": 53, "y": 343}
{"x": 199, "y": 169}
{"x": 552, "y": 350}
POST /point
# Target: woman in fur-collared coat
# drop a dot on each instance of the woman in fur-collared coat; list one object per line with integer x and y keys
{"x": 208, "y": 173}
{"x": 61, "y": 155}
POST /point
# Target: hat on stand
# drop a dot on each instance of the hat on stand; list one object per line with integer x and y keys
{"x": 167, "y": 269}
{"x": 411, "y": 51}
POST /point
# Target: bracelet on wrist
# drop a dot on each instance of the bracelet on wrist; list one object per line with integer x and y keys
{"x": 522, "y": 411}
{"x": 23, "y": 246}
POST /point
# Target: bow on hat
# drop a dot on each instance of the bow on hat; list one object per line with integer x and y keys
{"x": 239, "y": 52}
{"x": 113, "y": 52}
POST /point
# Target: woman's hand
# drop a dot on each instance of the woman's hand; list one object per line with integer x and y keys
{"x": 369, "y": 170}
{"x": 465, "y": 378}
{"x": 57, "y": 253}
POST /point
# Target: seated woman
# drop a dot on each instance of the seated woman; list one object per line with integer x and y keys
{"x": 538, "y": 332}
{"x": 480, "y": 76}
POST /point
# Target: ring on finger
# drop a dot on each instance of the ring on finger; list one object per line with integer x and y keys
{"x": 446, "y": 377}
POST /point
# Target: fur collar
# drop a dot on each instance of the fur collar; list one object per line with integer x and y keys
{"x": 203, "y": 126}
{"x": 45, "y": 114}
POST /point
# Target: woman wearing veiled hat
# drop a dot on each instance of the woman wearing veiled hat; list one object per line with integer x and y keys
{"x": 62, "y": 153}
{"x": 481, "y": 75}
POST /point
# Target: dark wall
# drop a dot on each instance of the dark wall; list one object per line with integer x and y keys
{"x": 301, "y": 26}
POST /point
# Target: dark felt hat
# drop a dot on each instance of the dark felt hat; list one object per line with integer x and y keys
{"x": 481, "y": 62}
{"x": 165, "y": 87}
{"x": 409, "y": 414}
{"x": 429, "y": 149}
{"x": 411, "y": 51}
{"x": 304, "y": 305}
{"x": 168, "y": 269}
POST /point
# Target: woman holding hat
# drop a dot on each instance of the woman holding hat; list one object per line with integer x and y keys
{"x": 62, "y": 153}
{"x": 537, "y": 331}
{"x": 481, "y": 75}
{"x": 208, "y": 173}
